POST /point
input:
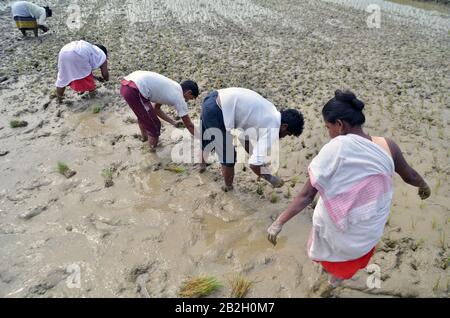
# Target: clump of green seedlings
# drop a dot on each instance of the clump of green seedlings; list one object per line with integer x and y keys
{"x": 96, "y": 109}
{"x": 442, "y": 242}
{"x": 108, "y": 175}
{"x": 274, "y": 198}
{"x": 18, "y": 123}
{"x": 174, "y": 168}
{"x": 240, "y": 287}
{"x": 294, "y": 181}
{"x": 65, "y": 170}
{"x": 199, "y": 287}
{"x": 260, "y": 189}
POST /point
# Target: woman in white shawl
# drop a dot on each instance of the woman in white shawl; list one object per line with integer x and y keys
{"x": 353, "y": 175}
{"x": 76, "y": 62}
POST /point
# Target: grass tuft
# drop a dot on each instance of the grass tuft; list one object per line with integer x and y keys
{"x": 199, "y": 287}
{"x": 174, "y": 168}
{"x": 240, "y": 287}
{"x": 18, "y": 123}
{"x": 62, "y": 168}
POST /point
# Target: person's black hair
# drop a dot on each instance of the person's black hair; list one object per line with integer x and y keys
{"x": 192, "y": 86}
{"x": 48, "y": 12}
{"x": 346, "y": 107}
{"x": 102, "y": 48}
{"x": 294, "y": 119}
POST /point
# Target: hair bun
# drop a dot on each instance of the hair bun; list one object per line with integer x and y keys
{"x": 349, "y": 98}
{"x": 359, "y": 105}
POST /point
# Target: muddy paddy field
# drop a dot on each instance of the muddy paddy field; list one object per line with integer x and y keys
{"x": 147, "y": 231}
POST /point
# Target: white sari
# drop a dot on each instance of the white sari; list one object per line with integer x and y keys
{"x": 354, "y": 178}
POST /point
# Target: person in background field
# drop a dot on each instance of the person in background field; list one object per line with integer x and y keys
{"x": 241, "y": 108}
{"x": 76, "y": 62}
{"x": 29, "y": 16}
{"x": 145, "y": 92}
{"x": 353, "y": 175}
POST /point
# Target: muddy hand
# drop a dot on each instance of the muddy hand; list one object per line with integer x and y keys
{"x": 276, "y": 182}
{"x": 424, "y": 192}
{"x": 179, "y": 124}
{"x": 273, "y": 232}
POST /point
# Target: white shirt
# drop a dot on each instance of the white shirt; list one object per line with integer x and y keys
{"x": 160, "y": 89}
{"x": 77, "y": 60}
{"x": 28, "y": 9}
{"x": 246, "y": 110}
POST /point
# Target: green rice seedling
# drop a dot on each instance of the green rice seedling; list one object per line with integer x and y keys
{"x": 18, "y": 123}
{"x": 199, "y": 287}
{"x": 433, "y": 224}
{"x": 294, "y": 181}
{"x": 65, "y": 170}
{"x": 274, "y": 198}
{"x": 437, "y": 185}
{"x": 442, "y": 242}
{"x": 413, "y": 223}
{"x": 288, "y": 194}
{"x": 436, "y": 285}
{"x": 174, "y": 168}
{"x": 96, "y": 109}
{"x": 107, "y": 173}
{"x": 240, "y": 287}
{"x": 260, "y": 189}
{"x": 62, "y": 167}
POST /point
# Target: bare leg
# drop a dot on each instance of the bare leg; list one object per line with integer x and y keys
{"x": 143, "y": 132}
{"x": 334, "y": 281}
{"x": 202, "y": 162}
{"x": 228, "y": 177}
{"x": 153, "y": 142}
{"x": 60, "y": 93}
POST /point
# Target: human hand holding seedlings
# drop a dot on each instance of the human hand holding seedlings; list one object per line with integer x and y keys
{"x": 273, "y": 232}
{"x": 424, "y": 192}
{"x": 301, "y": 201}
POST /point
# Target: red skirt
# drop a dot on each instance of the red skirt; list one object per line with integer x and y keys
{"x": 86, "y": 84}
{"x": 346, "y": 270}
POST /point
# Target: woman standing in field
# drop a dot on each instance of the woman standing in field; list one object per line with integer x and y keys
{"x": 353, "y": 175}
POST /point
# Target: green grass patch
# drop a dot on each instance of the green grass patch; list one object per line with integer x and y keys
{"x": 199, "y": 287}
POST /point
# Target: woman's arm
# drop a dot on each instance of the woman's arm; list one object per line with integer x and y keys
{"x": 406, "y": 172}
{"x": 301, "y": 201}
{"x": 104, "y": 70}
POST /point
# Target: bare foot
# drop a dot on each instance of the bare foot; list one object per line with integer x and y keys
{"x": 202, "y": 167}
{"x": 226, "y": 188}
